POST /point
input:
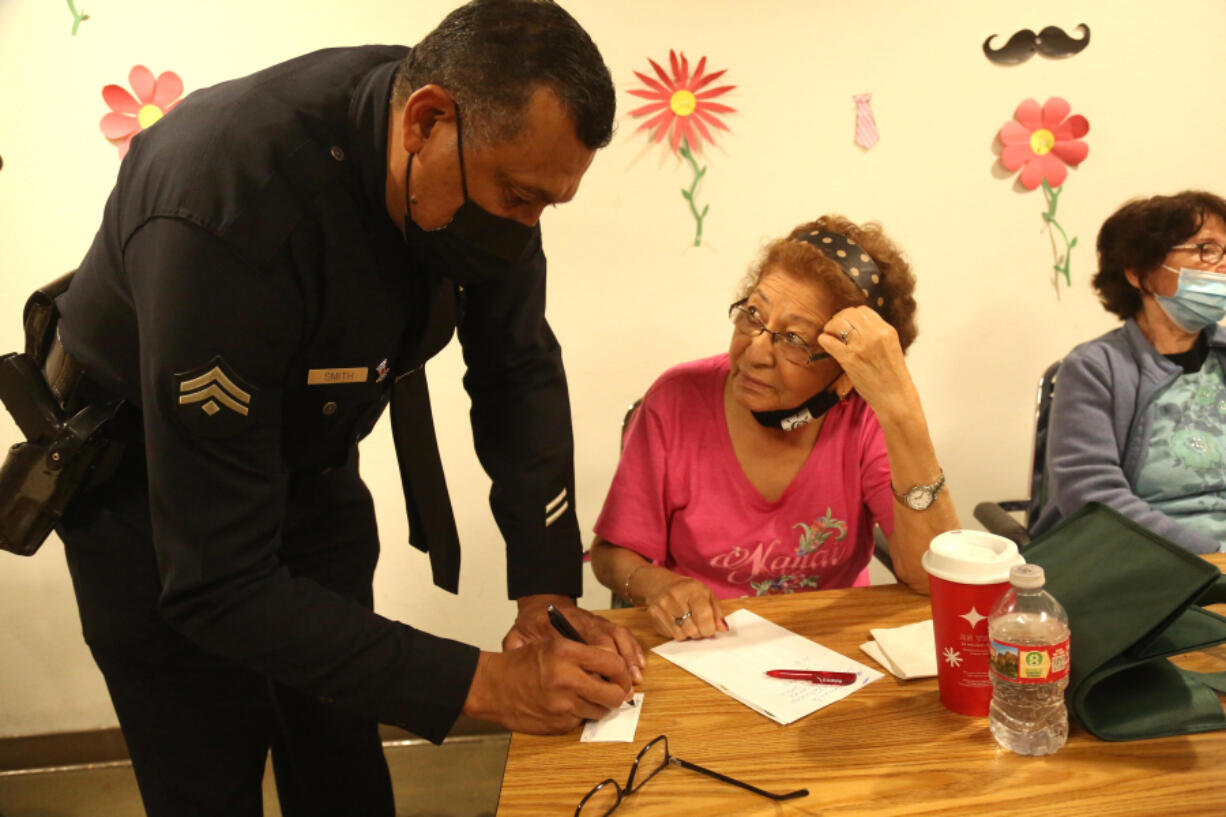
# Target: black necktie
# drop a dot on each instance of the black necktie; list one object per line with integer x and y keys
{"x": 432, "y": 525}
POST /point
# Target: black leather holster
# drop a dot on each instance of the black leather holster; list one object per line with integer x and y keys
{"x": 71, "y": 444}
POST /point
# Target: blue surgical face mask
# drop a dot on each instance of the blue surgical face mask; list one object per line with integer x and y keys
{"x": 1199, "y": 301}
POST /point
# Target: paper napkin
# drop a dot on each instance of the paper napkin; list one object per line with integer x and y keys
{"x": 907, "y": 652}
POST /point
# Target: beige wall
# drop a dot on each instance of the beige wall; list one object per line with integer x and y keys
{"x": 627, "y": 296}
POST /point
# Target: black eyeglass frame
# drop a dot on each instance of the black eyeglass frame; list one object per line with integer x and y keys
{"x": 671, "y": 760}
{"x": 1200, "y": 251}
{"x": 782, "y": 337}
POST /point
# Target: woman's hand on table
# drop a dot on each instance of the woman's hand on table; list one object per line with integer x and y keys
{"x": 680, "y": 607}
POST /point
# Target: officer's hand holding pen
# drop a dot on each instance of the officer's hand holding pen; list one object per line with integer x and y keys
{"x": 547, "y": 686}
{"x": 533, "y": 623}
{"x": 560, "y": 624}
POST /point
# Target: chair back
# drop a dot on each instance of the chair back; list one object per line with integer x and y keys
{"x": 995, "y": 515}
{"x": 1038, "y": 460}
{"x": 626, "y": 421}
{"x": 617, "y": 602}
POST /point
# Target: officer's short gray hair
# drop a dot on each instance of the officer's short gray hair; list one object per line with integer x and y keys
{"x": 491, "y": 55}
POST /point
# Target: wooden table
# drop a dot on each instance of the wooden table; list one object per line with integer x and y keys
{"x": 888, "y": 749}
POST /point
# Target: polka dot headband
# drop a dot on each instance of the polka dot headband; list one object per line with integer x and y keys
{"x": 858, "y": 264}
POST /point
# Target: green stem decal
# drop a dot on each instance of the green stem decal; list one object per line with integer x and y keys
{"x": 77, "y": 17}
{"x": 688, "y": 195}
{"x": 1061, "y": 265}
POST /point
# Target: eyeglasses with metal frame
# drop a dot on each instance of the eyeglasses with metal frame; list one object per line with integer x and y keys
{"x": 606, "y": 796}
{"x": 1211, "y": 252}
{"x": 792, "y": 346}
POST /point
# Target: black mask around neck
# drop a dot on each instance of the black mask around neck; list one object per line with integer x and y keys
{"x": 802, "y": 415}
{"x": 476, "y": 245}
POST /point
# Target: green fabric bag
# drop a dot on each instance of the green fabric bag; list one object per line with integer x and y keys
{"x": 1132, "y": 600}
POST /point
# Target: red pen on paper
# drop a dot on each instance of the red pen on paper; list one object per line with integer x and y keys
{"x": 837, "y": 679}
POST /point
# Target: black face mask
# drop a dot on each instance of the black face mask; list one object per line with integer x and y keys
{"x": 802, "y": 415}
{"x": 476, "y": 245}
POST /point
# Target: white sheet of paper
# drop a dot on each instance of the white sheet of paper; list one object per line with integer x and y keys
{"x": 617, "y": 726}
{"x": 911, "y": 648}
{"x": 736, "y": 662}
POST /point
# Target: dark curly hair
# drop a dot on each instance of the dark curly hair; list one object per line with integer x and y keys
{"x": 801, "y": 258}
{"x": 491, "y": 55}
{"x": 1138, "y": 237}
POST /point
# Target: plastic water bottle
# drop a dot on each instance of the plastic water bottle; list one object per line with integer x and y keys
{"x": 1029, "y": 656}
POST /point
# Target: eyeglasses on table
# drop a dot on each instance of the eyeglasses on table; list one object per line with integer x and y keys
{"x": 606, "y": 796}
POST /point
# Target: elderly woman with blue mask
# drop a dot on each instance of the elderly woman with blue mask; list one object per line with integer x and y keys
{"x": 1139, "y": 415}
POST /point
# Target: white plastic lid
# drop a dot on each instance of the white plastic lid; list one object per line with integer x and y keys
{"x": 971, "y": 557}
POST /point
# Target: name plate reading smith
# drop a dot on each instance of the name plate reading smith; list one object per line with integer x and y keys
{"x": 326, "y": 377}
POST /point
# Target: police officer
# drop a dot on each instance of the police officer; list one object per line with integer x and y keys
{"x": 280, "y": 255}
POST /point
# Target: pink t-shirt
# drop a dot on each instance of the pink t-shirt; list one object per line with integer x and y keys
{"x": 680, "y": 498}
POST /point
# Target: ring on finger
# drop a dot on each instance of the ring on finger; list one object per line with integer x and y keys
{"x": 846, "y": 333}
{"x": 679, "y": 620}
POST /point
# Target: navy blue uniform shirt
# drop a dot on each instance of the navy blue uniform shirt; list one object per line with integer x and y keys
{"x": 249, "y": 293}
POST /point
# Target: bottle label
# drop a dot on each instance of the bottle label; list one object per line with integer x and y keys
{"x": 1029, "y": 664}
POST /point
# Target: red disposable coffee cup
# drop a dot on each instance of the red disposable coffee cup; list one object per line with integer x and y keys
{"x": 968, "y": 572}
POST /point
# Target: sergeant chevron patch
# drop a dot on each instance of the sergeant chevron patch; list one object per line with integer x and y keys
{"x": 213, "y": 400}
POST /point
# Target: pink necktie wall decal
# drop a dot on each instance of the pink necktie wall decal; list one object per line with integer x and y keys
{"x": 78, "y": 17}
{"x": 866, "y": 125}
{"x": 682, "y": 107}
{"x": 132, "y": 114}
{"x": 1044, "y": 143}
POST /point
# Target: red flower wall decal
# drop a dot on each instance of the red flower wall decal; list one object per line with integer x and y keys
{"x": 682, "y": 107}
{"x": 1043, "y": 143}
{"x": 130, "y": 115}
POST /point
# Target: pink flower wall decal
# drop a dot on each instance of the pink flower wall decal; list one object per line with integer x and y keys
{"x": 132, "y": 114}
{"x": 681, "y": 107}
{"x": 1044, "y": 143}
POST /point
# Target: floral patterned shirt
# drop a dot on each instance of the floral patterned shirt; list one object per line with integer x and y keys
{"x": 1184, "y": 473}
{"x": 681, "y": 499}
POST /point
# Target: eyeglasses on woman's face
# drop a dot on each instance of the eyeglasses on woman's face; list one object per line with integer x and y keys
{"x": 792, "y": 346}
{"x": 1210, "y": 252}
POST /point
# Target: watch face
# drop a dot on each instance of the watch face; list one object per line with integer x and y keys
{"x": 919, "y": 498}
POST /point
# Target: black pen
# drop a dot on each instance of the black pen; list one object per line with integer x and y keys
{"x": 564, "y": 627}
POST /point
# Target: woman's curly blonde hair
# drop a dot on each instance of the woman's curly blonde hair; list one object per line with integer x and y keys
{"x": 800, "y": 258}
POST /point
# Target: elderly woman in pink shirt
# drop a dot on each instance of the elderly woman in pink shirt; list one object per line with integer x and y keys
{"x": 764, "y": 470}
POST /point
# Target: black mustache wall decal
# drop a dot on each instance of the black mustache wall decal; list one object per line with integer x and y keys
{"x": 1050, "y": 42}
